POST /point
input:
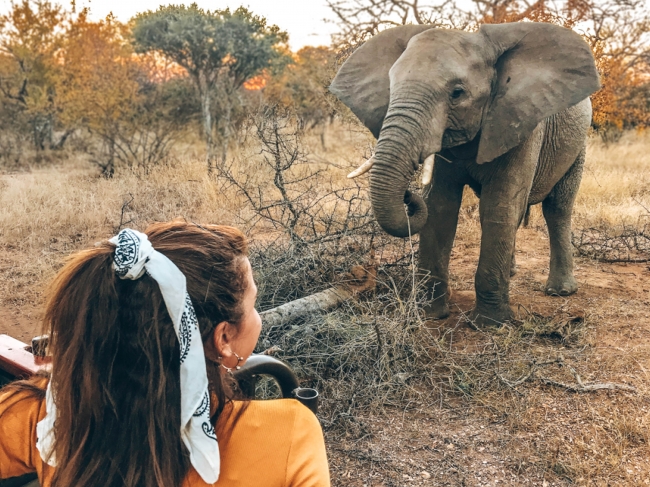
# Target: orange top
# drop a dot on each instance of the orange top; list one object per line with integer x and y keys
{"x": 277, "y": 443}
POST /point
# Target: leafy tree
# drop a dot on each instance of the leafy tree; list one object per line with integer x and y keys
{"x": 619, "y": 34}
{"x": 30, "y": 38}
{"x": 303, "y": 86}
{"x": 218, "y": 49}
{"x": 129, "y": 102}
{"x": 99, "y": 84}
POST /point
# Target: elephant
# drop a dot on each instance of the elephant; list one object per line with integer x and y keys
{"x": 504, "y": 110}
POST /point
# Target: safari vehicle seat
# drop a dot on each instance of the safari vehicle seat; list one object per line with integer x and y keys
{"x": 17, "y": 361}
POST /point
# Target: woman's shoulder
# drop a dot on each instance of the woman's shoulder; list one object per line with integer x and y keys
{"x": 288, "y": 407}
{"x": 275, "y": 425}
{"x": 23, "y": 395}
{"x": 288, "y": 444}
{"x": 21, "y": 407}
{"x": 281, "y": 414}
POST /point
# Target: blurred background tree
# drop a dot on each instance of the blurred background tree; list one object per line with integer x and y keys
{"x": 127, "y": 101}
{"x": 30, "y": 39}
{"x": 220, "y": 50}
{"x": 304, "y": 86}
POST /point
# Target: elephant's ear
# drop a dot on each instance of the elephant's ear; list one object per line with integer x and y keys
{"x": 542, "y": 69}
{"x": 363, "y": 84}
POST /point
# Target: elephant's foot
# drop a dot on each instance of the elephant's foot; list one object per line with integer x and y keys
{"x": 561, "y": 286}
{"x": 440, "y": 292}
{"x": 437, "y": 309}
{"x": 481, "y": 316}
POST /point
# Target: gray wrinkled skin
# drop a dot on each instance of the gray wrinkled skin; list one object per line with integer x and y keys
{"x": 508, "y": 106}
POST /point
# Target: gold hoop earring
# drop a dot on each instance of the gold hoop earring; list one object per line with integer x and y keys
{"x": 229, "y": 369}
{"x": 239, "y": 360}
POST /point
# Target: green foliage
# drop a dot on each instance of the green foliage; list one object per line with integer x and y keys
{"x": 173, "y": 99}
{"x": 207, "y": 44}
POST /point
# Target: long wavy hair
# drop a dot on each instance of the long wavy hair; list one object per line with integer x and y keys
{"x": 116, "y": 369}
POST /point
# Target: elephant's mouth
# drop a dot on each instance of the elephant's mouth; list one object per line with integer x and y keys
{"x": 466, "y": 151}
{"x": 452, "y": 138}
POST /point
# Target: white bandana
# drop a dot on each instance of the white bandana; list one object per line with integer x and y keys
{"x": 134, "y": 255}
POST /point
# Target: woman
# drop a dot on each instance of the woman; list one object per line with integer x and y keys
{"x": 146, "y": 330}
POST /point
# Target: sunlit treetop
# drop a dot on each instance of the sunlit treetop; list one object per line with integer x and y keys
{"x": 211, "y": 43}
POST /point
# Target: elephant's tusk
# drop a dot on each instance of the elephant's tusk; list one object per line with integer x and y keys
{"x": 362, "y": 169}
{"x": 427, "y": 169}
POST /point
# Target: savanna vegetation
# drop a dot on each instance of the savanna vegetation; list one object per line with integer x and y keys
{"x": 208, "y": 116}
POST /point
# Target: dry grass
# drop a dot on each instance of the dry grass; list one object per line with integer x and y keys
{"x": 456, "y": 413}
{"x": 69, "y": 205}
{"x": 47, "y": 213}
{"x": 615, "y": 187}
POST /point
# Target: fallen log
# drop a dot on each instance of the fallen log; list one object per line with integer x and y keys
{"x": 359, "y": 280}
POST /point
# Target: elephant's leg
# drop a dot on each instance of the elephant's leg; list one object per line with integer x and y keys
{"x": 493, "y": 274}
{"x": 557, "y": 208}
{"x": 437, "y": 239}
{"x": 501, "y": 210}
{"x": 513, "y": 260}
{"x": 503, "y": 205}
{"x": 513, "y": 263}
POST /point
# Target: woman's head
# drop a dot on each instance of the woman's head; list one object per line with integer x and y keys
{"x": 233, "y": 342}
{"x": 116, "y": 355}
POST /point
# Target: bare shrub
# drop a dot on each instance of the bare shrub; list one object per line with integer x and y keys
{"x": 13, "y": 137}
{"x": 11, "y": 154}
{"x": 304, "y": 201}
{"x": 144, "y": 137}
{"x": 606, "y": 244}
{"x": 310, "y": 230}
{"x": 129, "y": 147}
{"x": 612, "y": 211}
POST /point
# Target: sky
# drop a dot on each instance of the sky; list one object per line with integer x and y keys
{"x": 302, "y": 19}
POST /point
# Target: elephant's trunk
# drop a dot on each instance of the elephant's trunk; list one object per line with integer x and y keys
{"x": 405, "y": 140}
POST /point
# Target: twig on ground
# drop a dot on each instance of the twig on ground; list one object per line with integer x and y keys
{"x": 530, "y": 375}
{"x": 535, "y": 366}
{"x": 578, "y": 387}
{"x": 125, "y": 208}
{"x": 589, "y": 386}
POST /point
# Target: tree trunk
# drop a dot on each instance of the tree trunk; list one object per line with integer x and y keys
{"x": 42, "y": 131}
{"x": 62, "y": 140}
{"x": 323, "y": 136}
{"x": 226, "y": 133}
{"x": 360, "y": 279}
{"x": 316, "y": 303}
{"x": 206, "y": 105}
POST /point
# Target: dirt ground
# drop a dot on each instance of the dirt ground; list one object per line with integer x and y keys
{"x": 538, "y": 434}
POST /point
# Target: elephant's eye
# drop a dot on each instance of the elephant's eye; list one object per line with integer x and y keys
{"x": 457, "y": 93}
